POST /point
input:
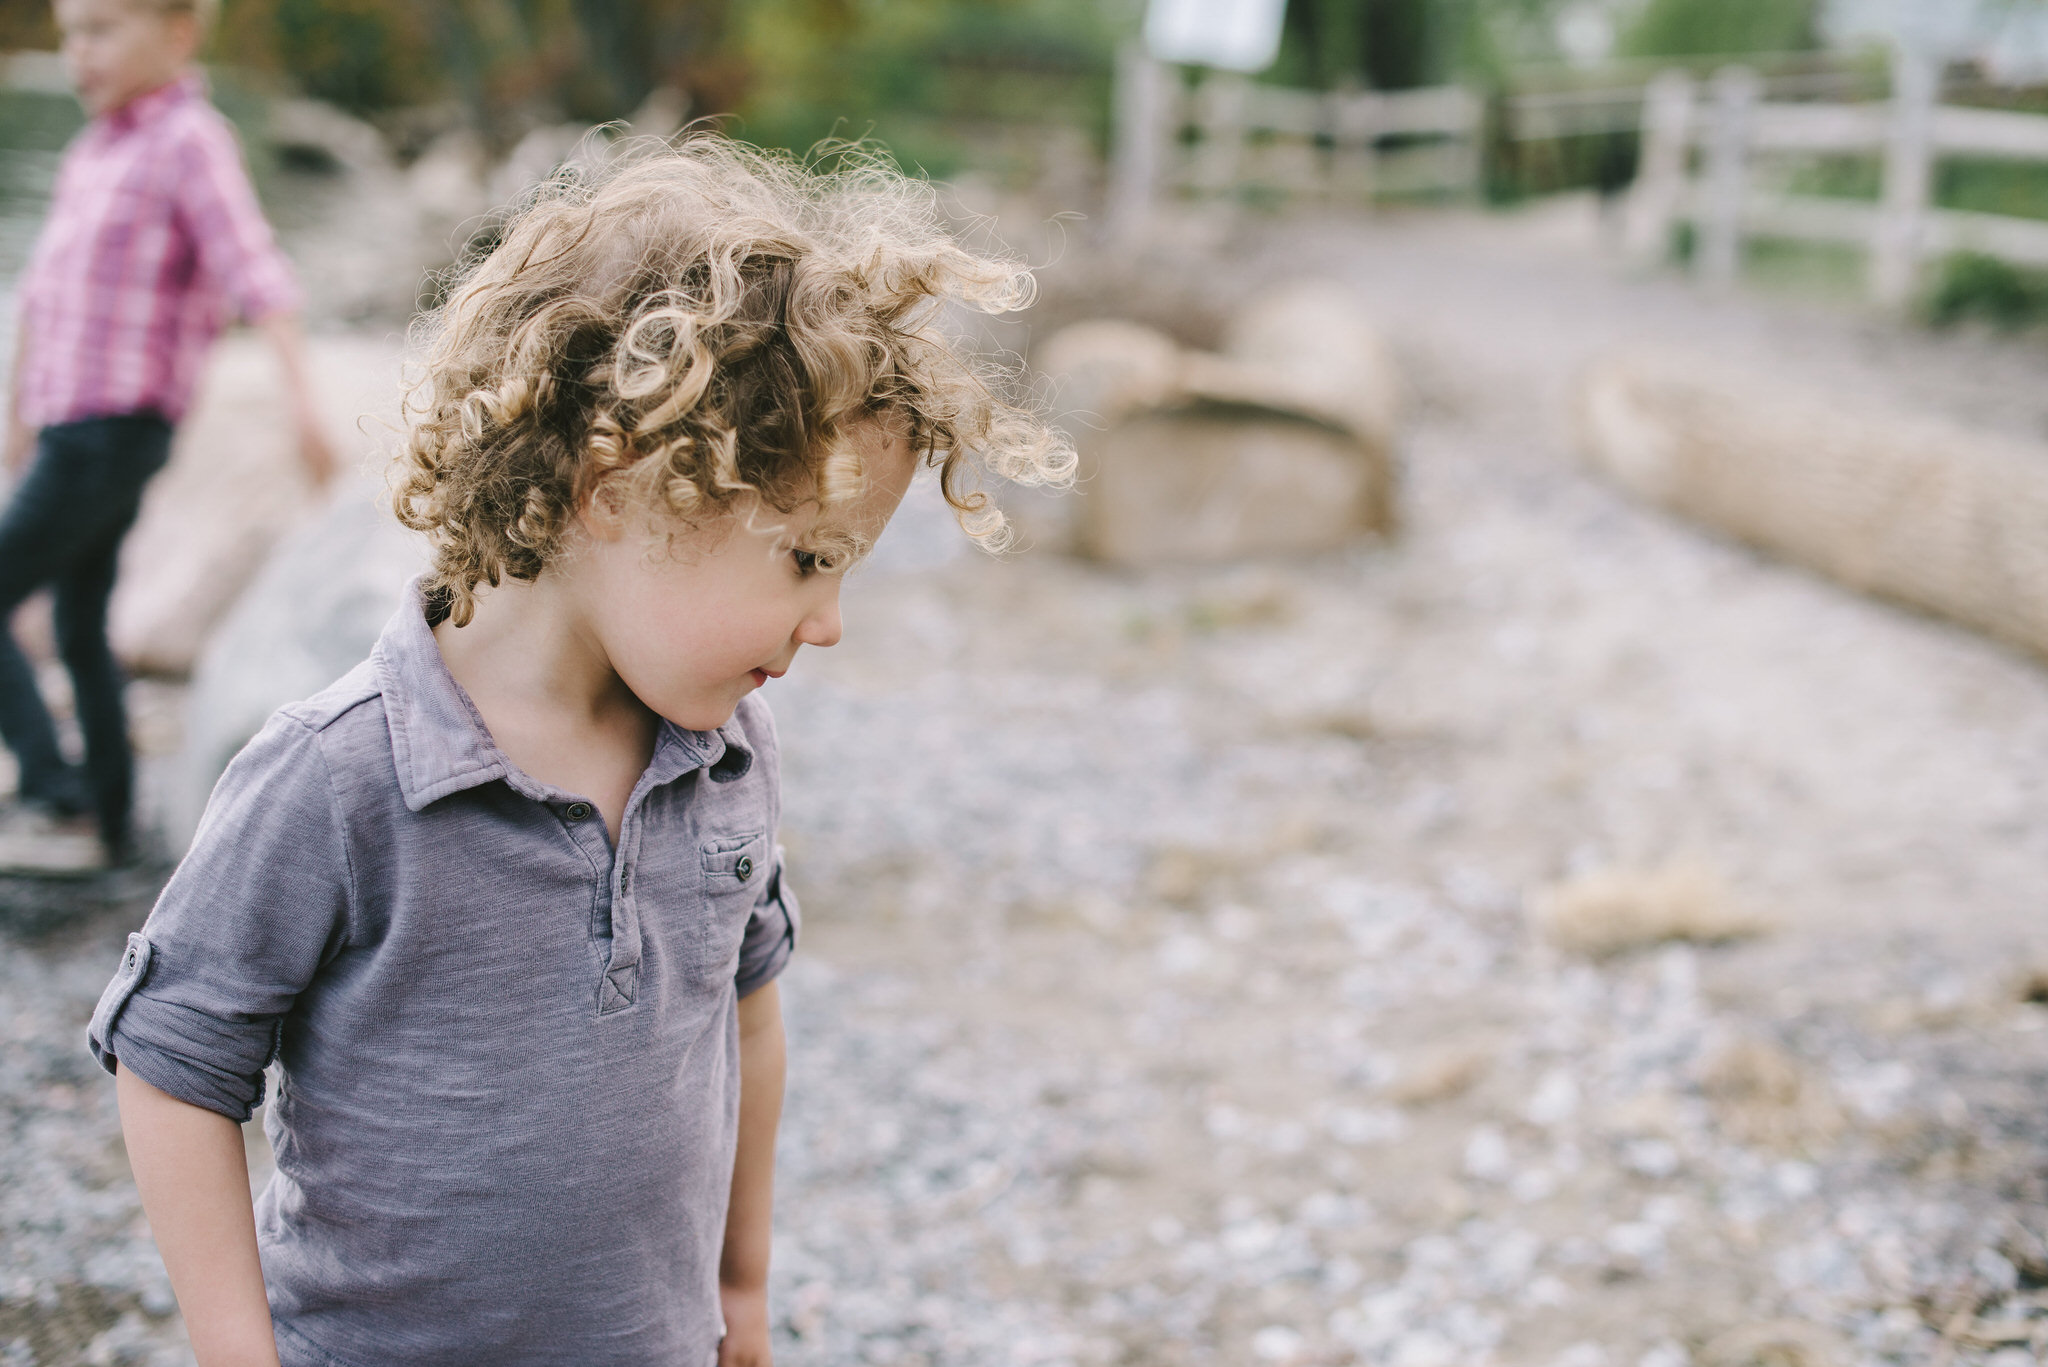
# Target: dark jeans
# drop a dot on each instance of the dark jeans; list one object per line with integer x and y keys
{"x": 64, "y": 528}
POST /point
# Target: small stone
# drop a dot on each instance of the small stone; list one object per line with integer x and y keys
{"x": 1276, "y": 1343}
{"x": 1486, "y": 1155}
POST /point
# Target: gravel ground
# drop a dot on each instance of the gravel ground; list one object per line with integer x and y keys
{"x": 1169, "y": 995}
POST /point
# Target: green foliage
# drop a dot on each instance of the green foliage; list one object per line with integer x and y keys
{"x": 2018, "y": 188}
{"x": 1839, "y": 177}
{"x": 921, "y": 75}
{"x": 507, "y": 60}
{"x": 1971, "y": 285}
{"x": 1828, "y": 270}
{"x": 26, "y": 24}
{"x": 1382, "y": 44}
{"x": 916, "y": 73}
{"x": 1706, "y": 28}
{"x": 358, "y": 54}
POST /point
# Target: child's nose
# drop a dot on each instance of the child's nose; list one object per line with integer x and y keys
{"x": 821, "y": 627}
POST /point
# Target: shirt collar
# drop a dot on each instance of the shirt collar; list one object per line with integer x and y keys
{"x": 440, "y": 745}
{"x": 152, "y": 103}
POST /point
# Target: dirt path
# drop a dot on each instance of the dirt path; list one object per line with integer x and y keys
{"x": 1219, "y": 869}
{"x": 1167, "y": 994}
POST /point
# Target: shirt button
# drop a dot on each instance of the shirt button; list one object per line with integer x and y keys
{"x": 745, "y": 868}
{"x": 577, "y": 811}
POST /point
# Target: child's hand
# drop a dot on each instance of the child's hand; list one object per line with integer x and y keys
{"x": 316, "y": 456}
{"x": 21, "y": 443}
{"x": 746, "y": 1327}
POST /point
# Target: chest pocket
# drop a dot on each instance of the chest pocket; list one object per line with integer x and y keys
{"x": 735, "y": 870}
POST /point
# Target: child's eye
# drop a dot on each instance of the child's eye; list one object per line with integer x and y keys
{"x": 806, "y": 562}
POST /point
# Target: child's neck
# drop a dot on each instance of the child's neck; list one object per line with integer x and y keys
{"x": 150, "y": 85}
{"x": 548, "y": 692}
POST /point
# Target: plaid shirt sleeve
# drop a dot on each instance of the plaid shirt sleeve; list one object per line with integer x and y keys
{"x": 217, "y": 207}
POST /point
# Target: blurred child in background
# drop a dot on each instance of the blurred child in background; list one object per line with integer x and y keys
{"x": 154, "y": 240}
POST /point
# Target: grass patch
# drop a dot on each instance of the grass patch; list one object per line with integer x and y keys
{"x": 1827, "y": 269}
{"x": 1972, "y": 286}
{"x": 2017, "y": 189}
{"x": 1838, "y": 177}
{"x": 1979, "y": 185}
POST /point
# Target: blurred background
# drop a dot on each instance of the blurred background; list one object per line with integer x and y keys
{"x": 1501, "y": 823}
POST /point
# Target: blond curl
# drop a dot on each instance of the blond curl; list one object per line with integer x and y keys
{"x": 691, "y": 325}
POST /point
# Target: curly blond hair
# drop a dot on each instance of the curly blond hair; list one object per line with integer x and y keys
{"x": 690, "y": 325}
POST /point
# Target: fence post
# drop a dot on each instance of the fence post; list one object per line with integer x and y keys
{"x": 1141, "y": 99}
{"x": 1468, "y": 164}
{"x": 1720, "y": 241}
{"x": 1908, "y": 171}
{"x": 1663, "y": 174}
{"x": 1221, "y": 101}
{"x": 1354, "y": 157}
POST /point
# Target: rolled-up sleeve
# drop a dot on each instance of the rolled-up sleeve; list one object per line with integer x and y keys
{"x": 262, "y": 901}
{"x": 229, "y": 233}
{"x": 771, "y": 933}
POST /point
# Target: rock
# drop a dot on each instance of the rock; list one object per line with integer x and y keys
{"x": 447, "y": 185}
{"x": 1763, "y": 1095}
{"x": 318, "y": 135}
{"x": 539, "y": 154}
{"x": 314, "y": 610}
{"x": 345, "y": 209}
{"x": 662, "y": 113}
{"x": 233, "y": 487}
{"x": 1902, "y": 506}
{"x": 1281, "y": 442}
{"x": 1777, "y": 1343}
{"x": 1440, "y": 1075}
{"x": 1613, "y": 910}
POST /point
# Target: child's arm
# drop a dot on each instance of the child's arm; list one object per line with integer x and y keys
{"x": 743, "y": 1270}
{"x": 236, "y": 248}
{"x": 20, "y": 440}
{"x": 194, "y": 1177}
{"x": 286, "y": 338}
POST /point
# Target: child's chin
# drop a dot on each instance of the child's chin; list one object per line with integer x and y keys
{"x": 702, "y": 718}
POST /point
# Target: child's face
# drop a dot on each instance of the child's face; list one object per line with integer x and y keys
{"x": 694, "y": 629}
{"x": 118, "y": 49}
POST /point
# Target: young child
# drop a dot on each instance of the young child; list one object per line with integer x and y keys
{"x": 153, "y": 234}
{"x": 504, "y": 905}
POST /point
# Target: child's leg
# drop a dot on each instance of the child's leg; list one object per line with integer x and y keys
{"x": 96, "y": 683}
{"x": 77, "y": 499}
{"x": 31, "y": 545}
{"x": 135, "y": 451}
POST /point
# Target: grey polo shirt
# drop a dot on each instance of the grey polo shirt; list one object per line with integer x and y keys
{"x": 508, "y": 1056}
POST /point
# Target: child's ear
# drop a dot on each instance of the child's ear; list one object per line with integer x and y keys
{"x": 602, "y": 512}
{"x": 182, "y": 35}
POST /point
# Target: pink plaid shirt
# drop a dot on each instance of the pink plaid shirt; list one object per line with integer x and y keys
{"x": 153, "y": 235}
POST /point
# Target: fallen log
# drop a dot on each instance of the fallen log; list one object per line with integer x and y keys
{"x": 1906, "y": 507}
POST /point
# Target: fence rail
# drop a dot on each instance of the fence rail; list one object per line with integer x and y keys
{"x": 1228, "y": 135}
{"x": 1703, "y": 150}
{"x": 1707, "y": 154}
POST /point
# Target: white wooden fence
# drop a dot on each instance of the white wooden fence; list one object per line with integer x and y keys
{"x": 1231, "y": 137}
{"x": 1707, "y": 155}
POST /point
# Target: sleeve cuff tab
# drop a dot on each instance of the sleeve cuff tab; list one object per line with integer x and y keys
{"x": 134, "y": 968}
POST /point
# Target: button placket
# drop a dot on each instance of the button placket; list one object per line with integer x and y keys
{"x": 622, "y": 974}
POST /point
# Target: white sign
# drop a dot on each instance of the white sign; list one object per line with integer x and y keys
{"x": 1236, "y": 35}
